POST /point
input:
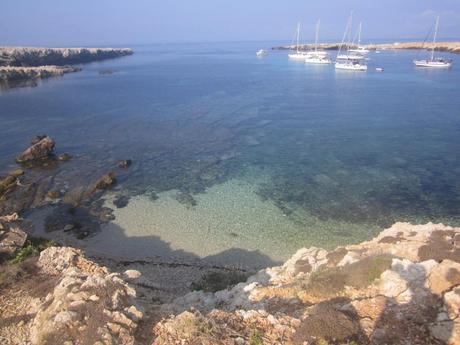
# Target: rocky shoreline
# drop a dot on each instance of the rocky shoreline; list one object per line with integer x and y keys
{"x": 11, "y": 73}
{"x": 450, "y": 47}
{"x": 28, "y": 63}
{"x": 402, "y": 287}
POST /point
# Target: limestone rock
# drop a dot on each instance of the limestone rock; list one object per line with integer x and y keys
{"x": 106, "y": 181}
{"x": 126, "y": 163}
{"x": 12, "y": 237}
{"x": 28, "y": 56}
{"x": 40, "y": 150}
{"x": 81, "y": 309}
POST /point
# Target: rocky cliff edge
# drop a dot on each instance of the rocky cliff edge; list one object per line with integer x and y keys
{"x": 402, "y": 287}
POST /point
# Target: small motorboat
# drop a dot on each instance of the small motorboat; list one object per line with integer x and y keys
{"x": 379, "y": 69}
{"x": 261, "y": 53}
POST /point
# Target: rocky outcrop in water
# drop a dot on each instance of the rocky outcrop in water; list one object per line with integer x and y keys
{"x": 42, "y": 147}
{"x": 12, "y": 74}
{"x": 18, "y": 64}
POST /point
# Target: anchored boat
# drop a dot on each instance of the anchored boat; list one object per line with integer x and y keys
{"x": 261, "y": 53}
{"x": 318, "y": 56}
{"x": 433, "y": 62}
{"x": 361, "y": 50}
{"x": 347, "y": 61}
{"x": 298, "y": 55}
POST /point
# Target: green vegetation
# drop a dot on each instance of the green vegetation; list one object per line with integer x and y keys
{"x": 332, "y": 281}
{"x": 322, "y": 341}
{"x": 216, "y": 281}
{"x": 203, "y": 327}
{"x": 33, "y": 247}
{"x": 256, "y": 337}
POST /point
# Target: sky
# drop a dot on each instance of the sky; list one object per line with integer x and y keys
{"x": 118, "y": 22}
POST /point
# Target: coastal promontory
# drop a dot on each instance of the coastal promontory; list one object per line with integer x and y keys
{"x": 26, "y": 63}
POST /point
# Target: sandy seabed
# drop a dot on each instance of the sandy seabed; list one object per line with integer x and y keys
{"x": 230, "y": 224}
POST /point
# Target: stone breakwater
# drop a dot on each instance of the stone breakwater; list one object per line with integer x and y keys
{"x": 402, "y": 287}
{"x": 451, "y": 47}
{"x": 26, "y": 63}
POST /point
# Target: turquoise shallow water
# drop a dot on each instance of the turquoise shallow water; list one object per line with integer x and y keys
{"x": 324, "y": 147}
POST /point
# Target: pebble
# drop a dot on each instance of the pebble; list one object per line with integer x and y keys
{"x": 131, "y": 274}
{"x": 94, "y": 298}
{"x": 69, "y": 227}
{"x": 17, "y": 172}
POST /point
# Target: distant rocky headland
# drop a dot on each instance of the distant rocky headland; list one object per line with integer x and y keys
{"x": 26, "y": 63}
{"x": 451, "y": 47}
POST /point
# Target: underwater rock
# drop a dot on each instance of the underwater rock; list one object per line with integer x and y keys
{"x": 126, "y": 163}
{"x": 121, "y": 201}
{"x": 186, "y": 199}
{"x": 16, "y": 173}
{"x": 106, "y": 181}
{"x": 53, "y": 194}
{"x": 43, "y": 148}
{"x": 104, "y": 214}
{"x": 64, "y": 157}
{"x": 107, "y": 71}
{"x": 69, "y": 227}
{"x": 7, "y": 184}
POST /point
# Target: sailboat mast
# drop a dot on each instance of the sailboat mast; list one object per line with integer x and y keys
{"x": 298, "y": 36}
{"x": 359, "y": 34}
{"x": 345, "y": 34}
{"x": 317, "y": 34}
{"x": 350, "y": 32}
{"x": 434, "y": 37}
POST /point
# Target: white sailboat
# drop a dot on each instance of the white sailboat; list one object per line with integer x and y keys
{"x": 361, "y": 49}
{"x": 318, "y": 56}
{"x": 347, "y": 61}
{"x": 298, "y": 55}
{"x": 432, "y": 61}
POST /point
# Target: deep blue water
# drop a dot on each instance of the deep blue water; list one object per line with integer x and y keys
{"x": 368, "y": 148}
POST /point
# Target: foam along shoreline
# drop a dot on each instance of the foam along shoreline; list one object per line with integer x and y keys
{"x": 450, "y": 47}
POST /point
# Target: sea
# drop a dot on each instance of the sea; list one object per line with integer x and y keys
{"x": 242, "y": 160}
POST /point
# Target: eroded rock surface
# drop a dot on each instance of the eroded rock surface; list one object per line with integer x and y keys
{"x": 35, "y": 56}
{"x": 12, "y": 73}
{"x": 87, "y": 306}
{"x": 402, "y": 287}
{"x": 40, "y": 149}
{"x": 12, "y": 237}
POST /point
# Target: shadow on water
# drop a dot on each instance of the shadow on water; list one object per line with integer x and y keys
{"x": 83, "y": 229}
